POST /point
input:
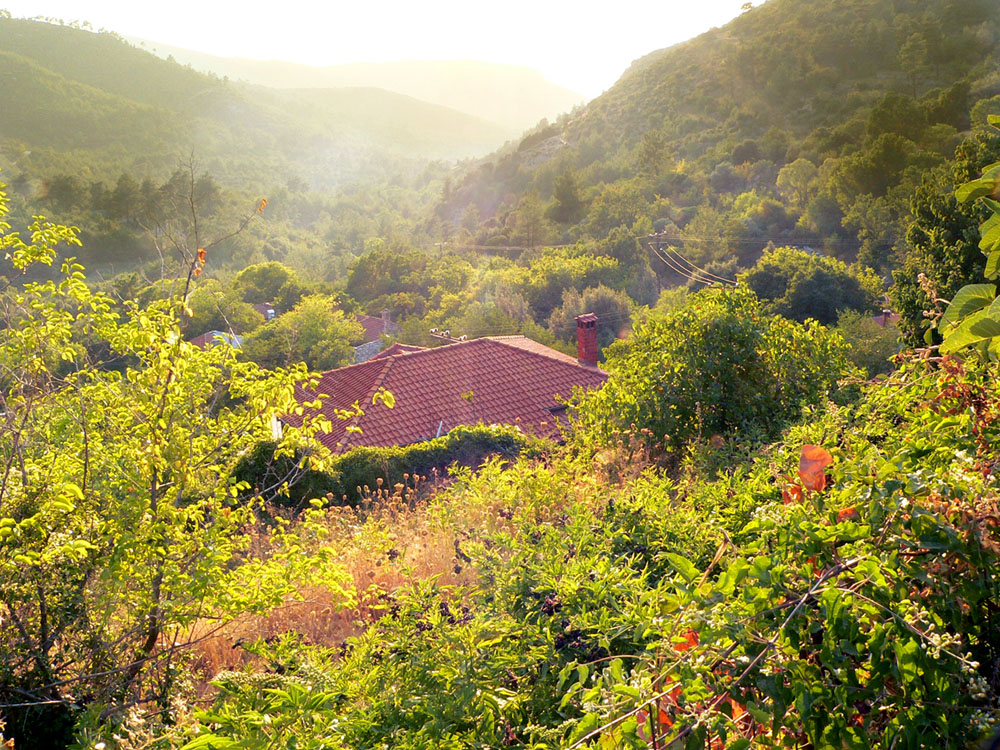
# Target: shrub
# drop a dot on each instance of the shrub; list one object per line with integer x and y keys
{"x": 801, "y": 285}
{"x": 713, "y": 366}
{"x": 347, "y": 477}
{"x": 871, "y": 344}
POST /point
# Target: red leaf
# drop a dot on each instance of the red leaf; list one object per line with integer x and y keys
{"x": 690, "y": 641}
{"x": 812, "y": 467}
{"x": 846, "y": 514}
{"x": 792, "y": 494}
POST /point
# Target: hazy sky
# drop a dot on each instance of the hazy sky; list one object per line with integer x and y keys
{"x": 582, "y": 45}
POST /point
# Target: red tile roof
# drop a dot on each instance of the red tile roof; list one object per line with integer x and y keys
{"x": 398, "y": 348}
{"x": 375, "y": 327}
{"x": 506, "y": 379}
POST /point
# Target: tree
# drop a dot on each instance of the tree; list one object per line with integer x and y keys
{"x": 877, "y": 227}
{"x": 800, "y": 285}
{"x": 871, "y": 344}
{"x": 899, "y": 114}
{"x": 125, "y": 201}
{"x": 612, "y": 308}
{"x": 216, "y": 308}
{"x": 618, "y": 204}
{"x": 530, "y": 227}
{"x": 567, "y": 207}
{"x": 315, "y": 333}
{"x": 942, "y": 238}
{"x": 716, "y": 365}
{"x": 913, "y": 59}
{"x": 119, "y": 530}
{"x": 797, "y": 181}
{"x": 267, "y": 282}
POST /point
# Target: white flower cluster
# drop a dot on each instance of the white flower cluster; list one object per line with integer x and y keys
{"x": 769, "y": 513}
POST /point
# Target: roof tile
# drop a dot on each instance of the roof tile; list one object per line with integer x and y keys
{"x": 506, "y": 379}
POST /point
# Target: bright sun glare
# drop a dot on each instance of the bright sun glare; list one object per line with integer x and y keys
{"x": 582, "y": 46}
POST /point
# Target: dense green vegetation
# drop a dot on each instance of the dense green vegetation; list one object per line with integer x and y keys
{"x": 797, "y": 123}
{"x": 745, "y": 542}
{"x": 650, "y": 583}
{"x": 363, "y": 473}
{"x": 853, "y": 613}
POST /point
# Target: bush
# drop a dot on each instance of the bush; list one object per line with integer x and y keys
{"x": 347, "y": 477}
{"x": 871, "y": 344}
{"x": 716, "y": 365}
{"x": 801, "y": 285}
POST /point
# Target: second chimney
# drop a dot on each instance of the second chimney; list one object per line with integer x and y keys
{"x": 586, "y": 339}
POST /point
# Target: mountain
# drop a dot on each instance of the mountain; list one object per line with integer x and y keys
{"x": 512, "y": 96}
{"x": 98, "y": 104}
{"x": 800, "y": 121}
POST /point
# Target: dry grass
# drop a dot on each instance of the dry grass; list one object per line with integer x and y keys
{"x": 397, "y": 535}
{"x": 392, "y": 538}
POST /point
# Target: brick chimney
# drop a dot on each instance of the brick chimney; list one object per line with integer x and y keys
{"x": 586, "y": 339}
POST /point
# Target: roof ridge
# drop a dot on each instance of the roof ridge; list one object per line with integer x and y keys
{"x": 546, "y": 357}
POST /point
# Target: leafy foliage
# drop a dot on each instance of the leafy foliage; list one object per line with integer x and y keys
{"x": 315, "y": 332}
{"x": 359, "y": 473}
{"x": 802, "y": 285}
{"x": 120, "y": 526}
{"x": 715, "y": 365}
{"x": 944, "y": 237}
{"x": 971, "y": 320}
{"x": 872, "y": 342}
{"x": 713, "y": 613}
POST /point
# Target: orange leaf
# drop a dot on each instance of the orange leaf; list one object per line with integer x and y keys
{"x": 674, "y": 694}
{"x": 792, "y": 494}
{"x": 201, "y": 255}
{"x": 846, "y": 514}
{"x": 690, "y": 641}
{"x": 262, "y": 205}
{"x": 812, "y": 467}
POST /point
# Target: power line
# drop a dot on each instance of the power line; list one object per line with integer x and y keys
{"x": 673, "y": 251}
{"x": 678, "y": 269}
{"x": 682, "y": 265}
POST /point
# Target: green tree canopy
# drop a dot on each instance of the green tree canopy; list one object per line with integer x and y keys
{"x": 613, "y": 309}
{"x": 800, "y": 285}
{"x": 315, "y": 332}
{"x": 716, "y": 364}
{"x": 943, "y": 238}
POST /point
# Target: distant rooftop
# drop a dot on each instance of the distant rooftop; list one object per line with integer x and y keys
{"x": 504, "y": 379}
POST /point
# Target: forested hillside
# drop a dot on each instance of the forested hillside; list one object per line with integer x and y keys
{"x": 805, "y": 123}
{"x": 109, "y": 107}
{"x": 776, "y": 524}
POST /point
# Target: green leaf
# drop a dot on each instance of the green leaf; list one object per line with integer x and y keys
{"x": 975, "y": 189}
{"x": 978, "y": 327}
{"x": 984, "y": 186}
{"x": 683, "y": 566}
{"x": 969, "y": 299}
{"x": 993, "y": 264}
{"x": 587, "y": 724}
{"x": 906, "y": 659}
{"x": 210, "y": 742}
{"x": 990, "y": 239}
